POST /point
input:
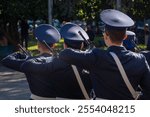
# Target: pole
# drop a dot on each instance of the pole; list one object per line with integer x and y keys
{"x": 50, "y": 8}
{"x": 24, "y": 51}
{"x": 118, "y": 4}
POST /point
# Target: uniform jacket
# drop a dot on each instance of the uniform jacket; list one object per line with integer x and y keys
{"x": 105, "y": 76}
{"x": 14, "y": 60}
{"x": 147, "y": 55}
{"x": 37, "y": 82}
{"x": 53, "y": 72}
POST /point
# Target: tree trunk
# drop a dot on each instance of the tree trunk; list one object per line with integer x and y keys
{"x": 12, "y": 33}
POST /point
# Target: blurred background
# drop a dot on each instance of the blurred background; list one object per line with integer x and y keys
{"x": 18, "y": 18}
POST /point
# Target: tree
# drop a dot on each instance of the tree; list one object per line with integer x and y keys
{"x": 65, "y": 9}
{"x": 89, "y": 10}
{"x": 138, "y": 9}
{"x": 14, "y": 10}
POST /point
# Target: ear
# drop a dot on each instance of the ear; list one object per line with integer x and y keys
{"x": 125, "y": 37}
{"x": 107, "y": 34}
{"x": 64, "y": 45}
{"x": 82, "y": 45}
{"x": 53, "y": 46}
{"x": 38, "y": 44}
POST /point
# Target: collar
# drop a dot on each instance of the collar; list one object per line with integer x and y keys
{"x": 116, "y": 49}
{"x": 46, "y": 54}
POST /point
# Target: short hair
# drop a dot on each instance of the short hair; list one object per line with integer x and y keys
{"x": 42, "y": 43}
{"x": 73, "y": 44}
{"x": 116, "y": 35}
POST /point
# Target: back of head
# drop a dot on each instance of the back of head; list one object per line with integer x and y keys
{"x": 130, "y": 35}
{"x": 146, "y": 25}
{"x": 46, "y": 33}
{"x": 116, "y": 36}
{"x": 130, "y": 41}
{"x": 116, "y": 24}
{"x": 72, "y": 35}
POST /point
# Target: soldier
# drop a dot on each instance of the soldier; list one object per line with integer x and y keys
{"x": 147, "y": 33}
{"x": 130, "y": 42}
{"x": 61, "y": 75}
{"x": 39, "y": 84}
{"x": 108, "y": 80}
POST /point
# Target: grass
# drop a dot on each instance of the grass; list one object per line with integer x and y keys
{"x": 142, "y": 46}
{"x": 31, "y": 48}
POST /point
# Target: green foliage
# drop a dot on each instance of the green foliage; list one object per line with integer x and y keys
{"x": 138, "y": 9}
{"x": 33, "y": 48}
{"x": 64, "y": 9}
{"x": 13, "y": 10}
{"x": 23, "y": 8}
{"x": 83, "y": 9}
{"x": 73, "y": 9}
{"x": 88, "y": 10}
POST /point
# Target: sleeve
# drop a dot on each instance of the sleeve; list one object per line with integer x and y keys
{"x": 42, "y": 67}
{"x": 14, "y": 61}
{"x": 82, "y": 59}
{"x": 145, "y": 82}
{"x": 147, "y": 55}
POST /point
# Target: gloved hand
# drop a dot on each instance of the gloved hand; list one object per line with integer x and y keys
{"x": 19, "y": 55}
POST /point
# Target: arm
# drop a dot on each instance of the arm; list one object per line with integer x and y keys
{"x": 82, "y": 59}
{"x": 14, "y": 61}
{"x": 145, "y": 82}
{"x": 43, "y": 65}
{"x": 147, "y": 56}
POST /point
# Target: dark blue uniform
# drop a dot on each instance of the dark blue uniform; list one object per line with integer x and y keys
{"x": 147, "y": 55}
{"x": 38, "y": 83}
{"x": 148, "y": 44}
{"x": 54, "y": 75}
{"x": 130, "y": 42}
{"x": 105, "y": 75}
{"x": 58, "y": 73}
{"x": 14, "y": 61}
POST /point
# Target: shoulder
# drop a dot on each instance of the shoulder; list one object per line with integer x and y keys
{"x": 140, "y": 59}
{"x": 41, "y": 58}
{"x": 146, "y": 54}
{"x": 98, "y": 51}
{"x": 57, "y": 64}
{"x": 136, "y": 56}
{"x": 15, "y": 57}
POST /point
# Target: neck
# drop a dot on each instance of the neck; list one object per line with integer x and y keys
{"x": 45, "y": 52}
{"x": 65, "y": 46}
{"x": 115, "y": 44}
